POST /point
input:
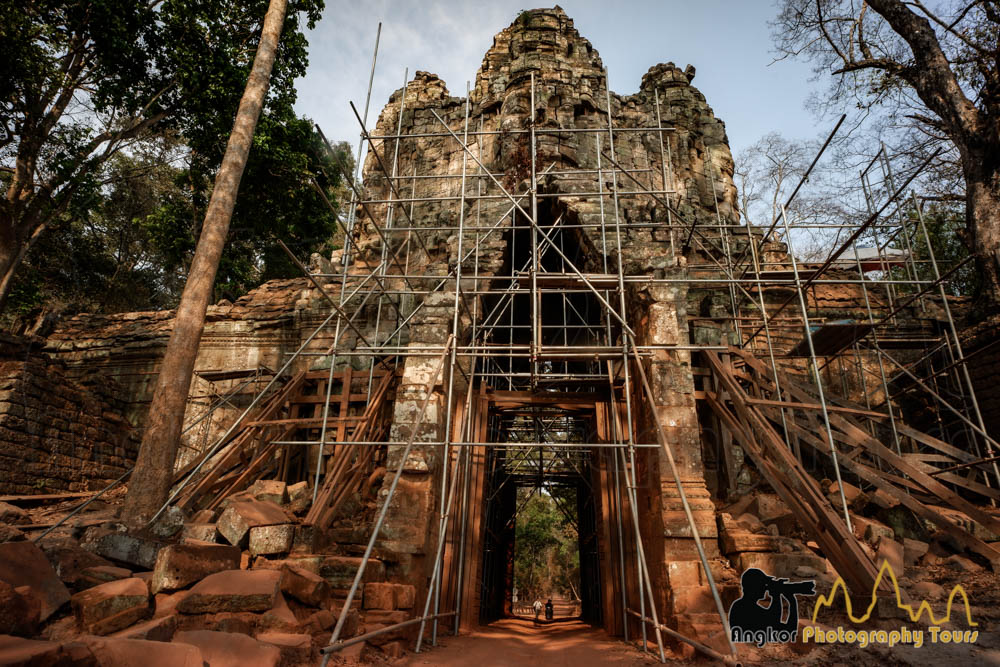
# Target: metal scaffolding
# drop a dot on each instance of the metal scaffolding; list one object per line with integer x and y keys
{"x": 554, "y": 320}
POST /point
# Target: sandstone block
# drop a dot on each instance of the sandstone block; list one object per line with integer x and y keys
{"x": 780, "y": 565}
{"x": 404, "y": 596}
{"x": 340, "y": 570}
{"x": 321, "y": 621}
{"x": 913, "y": 551}
{"x": 11, "y": 534}
{"x": 305, "y": 586}
{"x": 201, "y": 532}
{"x": 156, "y": 630}
{"x": 20, "y": 611}
{"x": 892, "y": 551}
{"x": 295, "y": 649}
{"x": 233, "y": 590}
{"x": 165, "y": 604}
{"x": 122, "y": 651}
{"x": 18, "y": 651}
{"x": 13, "y": 515}
{"x": 299, "y": 497}
{"x": 307, "y": 539}
{"x": 128, "y": 549}
{"x": 180, "y": 565}
{"x": 271, "y": 490}
{"x": 169, "y": 523}
{"x": 24, "y": 564}
{"x": 394, "y": 649}
{"x": 379, "y": 596}
{"x": 101, "y": 574}
{"x": 110, "y": 607}
{"x": 229, "y": 649}
{"x": 280, "y": 617}
{"x": 961, "y": 563}
{"x": 271, "y": 540}
{"x": 240, "y": 516}
{"x": 876, "y": 531}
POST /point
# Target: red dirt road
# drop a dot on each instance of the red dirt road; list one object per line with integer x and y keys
{"x": 514, "y": 641}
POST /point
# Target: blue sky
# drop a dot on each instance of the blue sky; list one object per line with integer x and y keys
{"x": 729, "y": 43}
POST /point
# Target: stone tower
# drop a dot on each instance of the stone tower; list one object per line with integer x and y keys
{"x": 649, "y": 197}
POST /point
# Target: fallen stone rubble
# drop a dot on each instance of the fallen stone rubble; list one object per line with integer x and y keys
{"x": 248, "y": 585}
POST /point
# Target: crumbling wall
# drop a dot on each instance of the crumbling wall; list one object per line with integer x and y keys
{"x": 57, "y": 434}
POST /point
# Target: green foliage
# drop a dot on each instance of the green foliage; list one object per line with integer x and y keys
{"x": 946, "y": 229}
{"x": 83, "y": 82}
{"x": 546, "y": 549}
{"x": 126, "y": 247}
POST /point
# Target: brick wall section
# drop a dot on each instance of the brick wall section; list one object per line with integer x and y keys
{"x": 58, "y": 434}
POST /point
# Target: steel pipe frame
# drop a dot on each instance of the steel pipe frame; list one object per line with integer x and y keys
{"x": 850, "y": 240}
{"x": 800, "y": 291}
{"x": 429, "y": 389}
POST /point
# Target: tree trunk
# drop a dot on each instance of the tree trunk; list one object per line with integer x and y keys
{"x": 151, "y": 480}
{"x": 8, "y": 262}
{"x": 982, "y": 210}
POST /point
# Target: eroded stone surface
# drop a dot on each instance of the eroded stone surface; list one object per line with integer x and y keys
{"x": 180, "y": 565}
{"x": 233, "y": 590}
{"x": 110, "y": 607}
{"x": 240, "y": 516}
{"x": 24, "y": 564}
{"x": 305, "y": 586}
{"x": 230, "y": 649}
{"x": 271, "y": 540}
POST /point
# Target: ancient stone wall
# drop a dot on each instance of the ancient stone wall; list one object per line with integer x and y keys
{"x": 57, "y": 434}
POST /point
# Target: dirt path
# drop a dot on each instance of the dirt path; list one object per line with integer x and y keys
{"x": 521, "y": 642}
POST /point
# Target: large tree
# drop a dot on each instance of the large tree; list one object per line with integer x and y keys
{"x": 81, "y": 82}
{"x": 153, "y": 471}
{"x": 933, "y": 71}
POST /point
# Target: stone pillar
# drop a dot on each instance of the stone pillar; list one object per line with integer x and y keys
{"x": 411, "y": 524}
{"x": 663, "y": 322}
{"x": 680, "y": 584}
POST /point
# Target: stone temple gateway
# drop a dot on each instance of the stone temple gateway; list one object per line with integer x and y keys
{"x": 560, "y": 185}
{"x": 542, "y": 284}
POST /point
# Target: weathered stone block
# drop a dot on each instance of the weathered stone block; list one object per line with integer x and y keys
{"x": 379, "y": 596}
{"x": 299, "y": 497}
{"x": 180, "y": 565}
{"x": 24, "y": 564}
{"x": 230, "y": 649}
{"x": 892, "y": 551}
{"x": 404, "y": 596}
{"x": 295, "y": 648}
{"x": 124, "y": 548}
{"x": 18, "y": 651}
{"x": 305, "y": 586}
{"x": 13, "y": 515}
{"x": 913, "y": 550}
{"x": 780, "y": 565}
{"x": 100, "y": 574}
{"x": 20, "y": 611}
{"x": 240, "y": 516}
{"x": 271, "y": 490}
{"x": 233, "y": 590}
{"x": 110, "y": 607}
{"x": 156, "y": 630}
{"x": 340, "y": 570}
{"x": 201, "y": 532}
{"x": 271, "y": 540}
